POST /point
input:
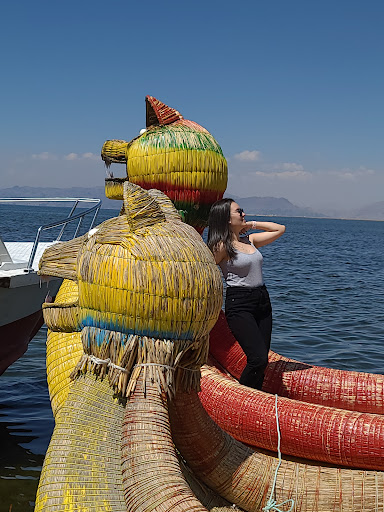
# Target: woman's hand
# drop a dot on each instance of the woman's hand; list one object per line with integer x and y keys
{"x": 250, "y": 224}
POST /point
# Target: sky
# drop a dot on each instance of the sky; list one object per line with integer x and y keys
{"x": 293, "y": 91}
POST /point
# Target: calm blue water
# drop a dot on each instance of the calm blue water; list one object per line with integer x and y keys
{"x": 326, "y": 281}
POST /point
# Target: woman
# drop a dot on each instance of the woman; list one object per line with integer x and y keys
{"x": 247, "y": 305}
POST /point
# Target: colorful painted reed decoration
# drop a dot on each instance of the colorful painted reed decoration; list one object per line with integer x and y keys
{"x": 148, "y": 292}
{"x": 174, "y": 155}
{"x": 244, "y": 476}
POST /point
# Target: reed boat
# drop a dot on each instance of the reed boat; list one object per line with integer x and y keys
{"x": 156, "y": 447}
{"x": 128, "y": 335}
{"x": 325, "y": 415}
{"x": 22, "y": 291}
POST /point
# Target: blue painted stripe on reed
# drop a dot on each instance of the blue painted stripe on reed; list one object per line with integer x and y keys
{"x": 90, "y": 321}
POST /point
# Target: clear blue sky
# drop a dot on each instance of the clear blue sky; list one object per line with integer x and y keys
{"x": 292, "y": 90}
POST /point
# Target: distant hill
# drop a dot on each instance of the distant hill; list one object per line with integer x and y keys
{"x": 373, "y": 211}
{"x": 278, "y": 206}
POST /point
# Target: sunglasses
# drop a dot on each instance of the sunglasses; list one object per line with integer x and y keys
{"x": 240, "y": 211}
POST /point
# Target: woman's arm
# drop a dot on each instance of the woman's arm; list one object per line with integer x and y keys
{"x": 271, "y": 232}
{"x": 220, "y": 253}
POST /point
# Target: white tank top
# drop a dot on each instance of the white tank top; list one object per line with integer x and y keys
{"x": 244, "y": 270}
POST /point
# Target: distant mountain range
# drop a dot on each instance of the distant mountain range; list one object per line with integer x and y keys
{"x": 373, "y": 211}
{"x": 276, "y": 206}
{"x": 280, "y": 206}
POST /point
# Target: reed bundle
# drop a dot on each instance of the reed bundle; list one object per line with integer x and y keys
{"x": 244, "y": 476}
{"x": 353, "y": 391}
{"x": 62, "y": 317}
{"x": 114, "y": 151}
{"x": 158, "y": 112}
{"x": 60, "y": 259}
{"x": 63, "y": 352}
{"x": 114, "y": 187}
{"x": 186, "y": 163}
{"x": 82, "y": 466}
{"x": 310, "y": 431}
{"x": 209, "y": 498}
{"x": 152, "y": 477}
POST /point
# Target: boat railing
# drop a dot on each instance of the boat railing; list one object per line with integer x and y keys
{"x": 72, "y": 217}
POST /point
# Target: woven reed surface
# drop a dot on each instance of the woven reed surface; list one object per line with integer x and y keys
{"x": 82, "y": 467}
{"x": 61, "y": 317}
{"x": 114, "y": 188}
{"x": 209, "y": 498}
{"x": 158, "y": 112}
{"x": 60, "y": 260}
{"x": 159, "y": 280}
{"x": 114, "y": 151}
{"x": 244, "y": 476}
{"x": 166, "y": 205}
{"x": 354, "y": 391}
{"x": 182, "y": 159}
{"x": 63, "y": 351}
{"x": 149, "y": 291}
{"x": 220, "y": 461}
{"x": 310, "y": 431}
{"x": 152, "y": 477}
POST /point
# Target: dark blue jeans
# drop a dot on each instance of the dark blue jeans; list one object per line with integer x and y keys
{"x": 249, "y": 316}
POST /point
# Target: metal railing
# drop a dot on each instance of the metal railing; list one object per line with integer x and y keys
{"x": 64, "y": 222}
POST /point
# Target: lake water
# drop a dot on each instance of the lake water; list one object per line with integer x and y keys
{"x": 326, "y": 281}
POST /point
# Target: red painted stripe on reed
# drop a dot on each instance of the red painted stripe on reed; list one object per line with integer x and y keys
{"x": 354, "y": 391}
{"x": 310, "y": 431}
{"x": 182, "y": 193}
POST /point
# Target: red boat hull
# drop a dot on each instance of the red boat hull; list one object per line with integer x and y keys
{"x": 15, "y": 336}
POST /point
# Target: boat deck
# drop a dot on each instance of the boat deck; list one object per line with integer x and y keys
{"x": 19, "y": 253}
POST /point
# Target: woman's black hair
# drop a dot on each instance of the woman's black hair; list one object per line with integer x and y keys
{"x": 218, "y": 227}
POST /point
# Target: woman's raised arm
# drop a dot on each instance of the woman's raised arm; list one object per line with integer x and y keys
{"x": 271, "y": 232}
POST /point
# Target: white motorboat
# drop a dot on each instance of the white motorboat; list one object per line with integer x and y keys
{"x": 22, "y": 291}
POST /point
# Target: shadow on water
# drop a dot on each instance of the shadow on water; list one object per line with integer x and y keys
{"x": 26, "y": 424}
{"x": 20, "y": 468}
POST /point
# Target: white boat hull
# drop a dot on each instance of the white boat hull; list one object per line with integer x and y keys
{"x": 21, "y": 314}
